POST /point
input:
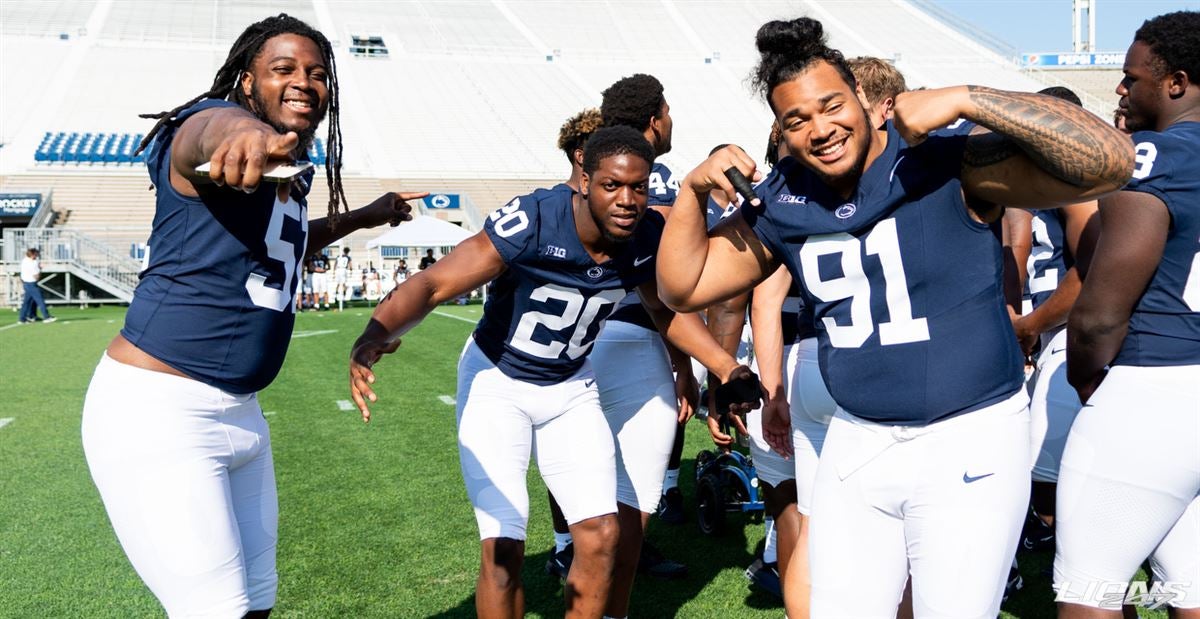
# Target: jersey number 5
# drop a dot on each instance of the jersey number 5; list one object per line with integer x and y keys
{"x": 854, "y": 285}
{"x": 575, "y": 312}
{"x": 284, "y": 251}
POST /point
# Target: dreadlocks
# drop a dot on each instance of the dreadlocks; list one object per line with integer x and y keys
{"x": 226, "y": 86}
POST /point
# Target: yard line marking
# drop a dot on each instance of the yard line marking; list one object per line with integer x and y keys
{"x": 345, "y": 405}
{"x": 455, "y": 317}
{"x": 268, "y": 413}
{"x": 6, "y": 421}
{"x": 7, "y": 327}
{"x": 299, "y": 334}
{"x": 446, "y": 400}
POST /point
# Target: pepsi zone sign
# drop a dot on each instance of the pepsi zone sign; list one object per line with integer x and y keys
{"x": 1073, "y": 60}
{"x": 19, "y": 205}
{"x": 441, "y": 201}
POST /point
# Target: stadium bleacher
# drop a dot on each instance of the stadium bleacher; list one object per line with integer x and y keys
{"x": 114, "y": 148}
{"x": 469, "y": 98}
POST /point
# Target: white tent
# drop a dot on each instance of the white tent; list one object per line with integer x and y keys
{"x": 421, "y": 231}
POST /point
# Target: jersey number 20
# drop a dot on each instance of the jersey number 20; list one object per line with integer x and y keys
{"x": 576, "y": 311}
{"x": 854, "y": 285}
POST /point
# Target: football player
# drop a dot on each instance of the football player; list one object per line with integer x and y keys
{"x": 173, "y": 433}
{"x": 341, "y": 278}
{"x": 561, "y": 261}
{"x": 1130, "y": 473}
{"x": 925, "y": 466}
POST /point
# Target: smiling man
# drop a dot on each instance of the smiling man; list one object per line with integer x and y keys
{"x": 172, "y": 430}
{"x": 561, "y": 261}
{"x": 892, "y": 237}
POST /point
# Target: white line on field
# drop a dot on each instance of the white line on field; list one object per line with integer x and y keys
{"x": 345, "y": 405}
{"x": 6, "y": 421}
{"x": 7, "y": 327}
{"x": 268, "y": 413}
{"x": 300, "y": 334}
{"x": 470, "y": 320}
{"x": 446, "y": 399}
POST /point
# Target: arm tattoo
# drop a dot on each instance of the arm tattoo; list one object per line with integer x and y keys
{"x": 1065, "y": 140}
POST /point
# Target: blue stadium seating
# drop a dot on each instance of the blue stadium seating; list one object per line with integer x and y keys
{"x": 113, "y": 149}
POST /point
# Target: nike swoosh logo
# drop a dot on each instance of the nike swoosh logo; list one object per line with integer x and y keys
{"x": 967, "y": 479}
{"x": 1055, "y": 351}
{"x": 637, "y": 262}
{"x": 589, "y": 383}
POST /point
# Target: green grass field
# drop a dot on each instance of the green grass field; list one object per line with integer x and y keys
{"x": 374, "y": 518}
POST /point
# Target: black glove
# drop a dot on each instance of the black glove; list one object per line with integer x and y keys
{"x": 742, "y": 390}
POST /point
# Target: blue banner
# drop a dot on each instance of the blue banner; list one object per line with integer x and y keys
{"x": 19, "y": 205}
{"x": 1072, "y": 60}
{"x": 442, "y": 201}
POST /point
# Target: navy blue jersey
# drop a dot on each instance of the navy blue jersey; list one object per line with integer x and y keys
{"x": 319, "y": 263}
{"x": 1049, "y": 259}
{"x": 1165, "y": 326}
{"x": 545, "y": 311}
{"x": 904, "y": 285}
{"x": 663, "y": 187}
{"x": 714, "y": 212}
{"x": 216, "y": 299}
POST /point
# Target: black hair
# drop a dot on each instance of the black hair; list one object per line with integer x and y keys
{"x": 788, "y": 48}
{"x": 1174, "y": 39}
{"x": 1062, "y": 92}
{"x": 612, "y": 141}
{"x": 716, "y": 148}
{"x": 632, "y": 102}
{"x": 773, "y": 139}
{"x": 227, "y": 85}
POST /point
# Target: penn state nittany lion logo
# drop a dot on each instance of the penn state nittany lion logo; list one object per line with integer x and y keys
{"x": 595, "y": 272}
{"x": 845, "y": 211}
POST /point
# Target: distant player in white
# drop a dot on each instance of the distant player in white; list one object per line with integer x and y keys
{"x": 1129, "y": 485}
{"x": 560, "y": 261}
{"x": 318, "y": 265}
{"x": 341, "y": 277}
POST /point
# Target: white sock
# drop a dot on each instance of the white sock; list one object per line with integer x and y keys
{"x": 770, "y": 549}
{"x": 561, "y": 540}
{"x": 671, "y": 480}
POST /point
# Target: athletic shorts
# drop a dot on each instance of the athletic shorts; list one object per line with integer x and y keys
{"x": 307, "y": 286}
{"x": 637, "y": 393}
{"x": 501, "y": 419}
{"x": 944, "y": 502}
{"x": 1053, "y": 404}
{"x": 341, "y": 276}
{"x": 186, "y": 476}
{"x": 1128, "y": 488}
{"x": 320, "y": 283}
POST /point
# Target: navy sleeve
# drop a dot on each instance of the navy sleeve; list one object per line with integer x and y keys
{"x": 1154, "y": 159}
{"x": 512, "y": 228}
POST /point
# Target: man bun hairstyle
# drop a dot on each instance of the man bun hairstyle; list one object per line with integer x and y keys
{"x": 787, "y": 48}
{"x": 632, "y": 101}
{"x": 226, "y": 85}
{"x": 1174, "y": 39}
{"x": 612, "y": 141}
